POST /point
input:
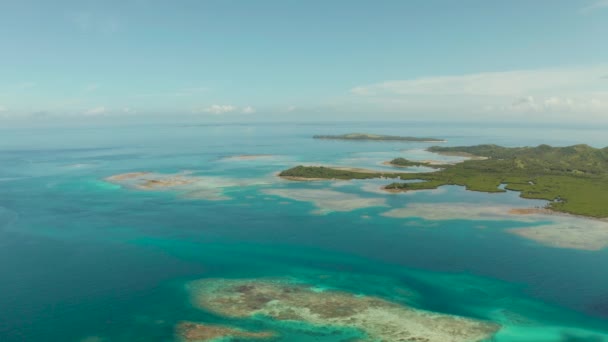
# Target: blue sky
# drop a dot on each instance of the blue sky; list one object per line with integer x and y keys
{"x": 287, "y": 60}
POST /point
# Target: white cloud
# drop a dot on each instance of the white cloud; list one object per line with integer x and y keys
{"x": 3, "y": 109}
{"x": 486, "y": 84}
{"x": 219, "y": 109}
{"x": 291, "y": 108}
{"x": 556, "y": 91}
{"x": 248, "y": 110}
{"x": 555, "y": 104}
{"x": 99, "y": 110}
{"x": 598, "y": 4}
{"x": 129, "y": 110}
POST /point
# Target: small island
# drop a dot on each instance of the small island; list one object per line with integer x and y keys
{"x": 377, "y": 137}
{"x": 402, "y": 162}
{"x": 574, "y": 179}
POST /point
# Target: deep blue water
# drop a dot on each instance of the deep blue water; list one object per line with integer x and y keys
{"x": 80, "y": 257}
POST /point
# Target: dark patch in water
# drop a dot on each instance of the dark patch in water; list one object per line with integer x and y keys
{"x": 599, "y": 307}
{"x": 573, "y": 338}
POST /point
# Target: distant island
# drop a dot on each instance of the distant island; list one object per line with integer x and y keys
{"x": 376, "y": 137}
{"x": 573, "y": 179}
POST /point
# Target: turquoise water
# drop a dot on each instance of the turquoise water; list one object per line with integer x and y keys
{"x": 80, "y": 257}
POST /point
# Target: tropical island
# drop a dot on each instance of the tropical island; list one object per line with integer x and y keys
{"x": 376, "y": 137}
{"x": 574, "y": 179}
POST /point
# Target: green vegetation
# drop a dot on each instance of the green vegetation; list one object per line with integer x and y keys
{"x": 316, "y": 172}
{"x": 574, "y": 179}
{"x": 402, "y": 162}
{"x": 364, "y": 136}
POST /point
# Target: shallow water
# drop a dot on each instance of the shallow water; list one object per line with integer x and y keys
{"x": 83, "y": 258}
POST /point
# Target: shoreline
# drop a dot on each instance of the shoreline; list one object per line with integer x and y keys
{"x": 304, "y": 179}
{"x": 552, "y": 212}
{"x": 430, "y": 162}
{"x": 573, "y": 179}
{"x": 513, "y": 211}
{"x": 360, "y": 169}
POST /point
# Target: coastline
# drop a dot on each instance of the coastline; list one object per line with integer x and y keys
{"x": 430, "y": 162}
{"x": 552, "y": 212}
{"x": 303, "y": 179}
{"x": 359, "y": 169}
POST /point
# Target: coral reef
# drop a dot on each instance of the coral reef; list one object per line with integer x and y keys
{"x": 284, "y": 300}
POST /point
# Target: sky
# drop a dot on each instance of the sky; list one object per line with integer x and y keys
{"x": 285, "y": 60}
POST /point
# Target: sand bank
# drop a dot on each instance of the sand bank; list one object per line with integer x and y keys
{"x": 127, "y": 176}
{"x": 328, "y": 200}
{"x": 552, "y": 229}
{"x": 455, "y": 211}
{"x": 187, "y": 184}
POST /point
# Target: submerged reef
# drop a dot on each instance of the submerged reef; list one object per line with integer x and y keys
{"x": 198, "y": 332}
{"x": 556, "y": 229}
{"x": 285, "y": 300}
{"x": 151, "y": 181}
{"x": 328, "y": 200}
{"x": 573, "y": 233}
{"x": 190, "y": 186}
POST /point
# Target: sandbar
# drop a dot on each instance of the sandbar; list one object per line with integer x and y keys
{"x": 456, "y": 211}
{"x": 126, "y": 176}
{"x": 328, "y": 200}
{"x": 188, "y": 185}
{"x": 557, "y": 230}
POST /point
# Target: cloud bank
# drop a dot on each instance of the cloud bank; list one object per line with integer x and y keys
{"x": 577, "y": 94}
{"x": 100, "y": 110}
{"x": 217, "y": 109}
{"x": 599, "y": 4}
{"x": 557, "y": 91}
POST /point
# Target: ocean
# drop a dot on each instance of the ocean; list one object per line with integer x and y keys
{"x": 86, "y": 259}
